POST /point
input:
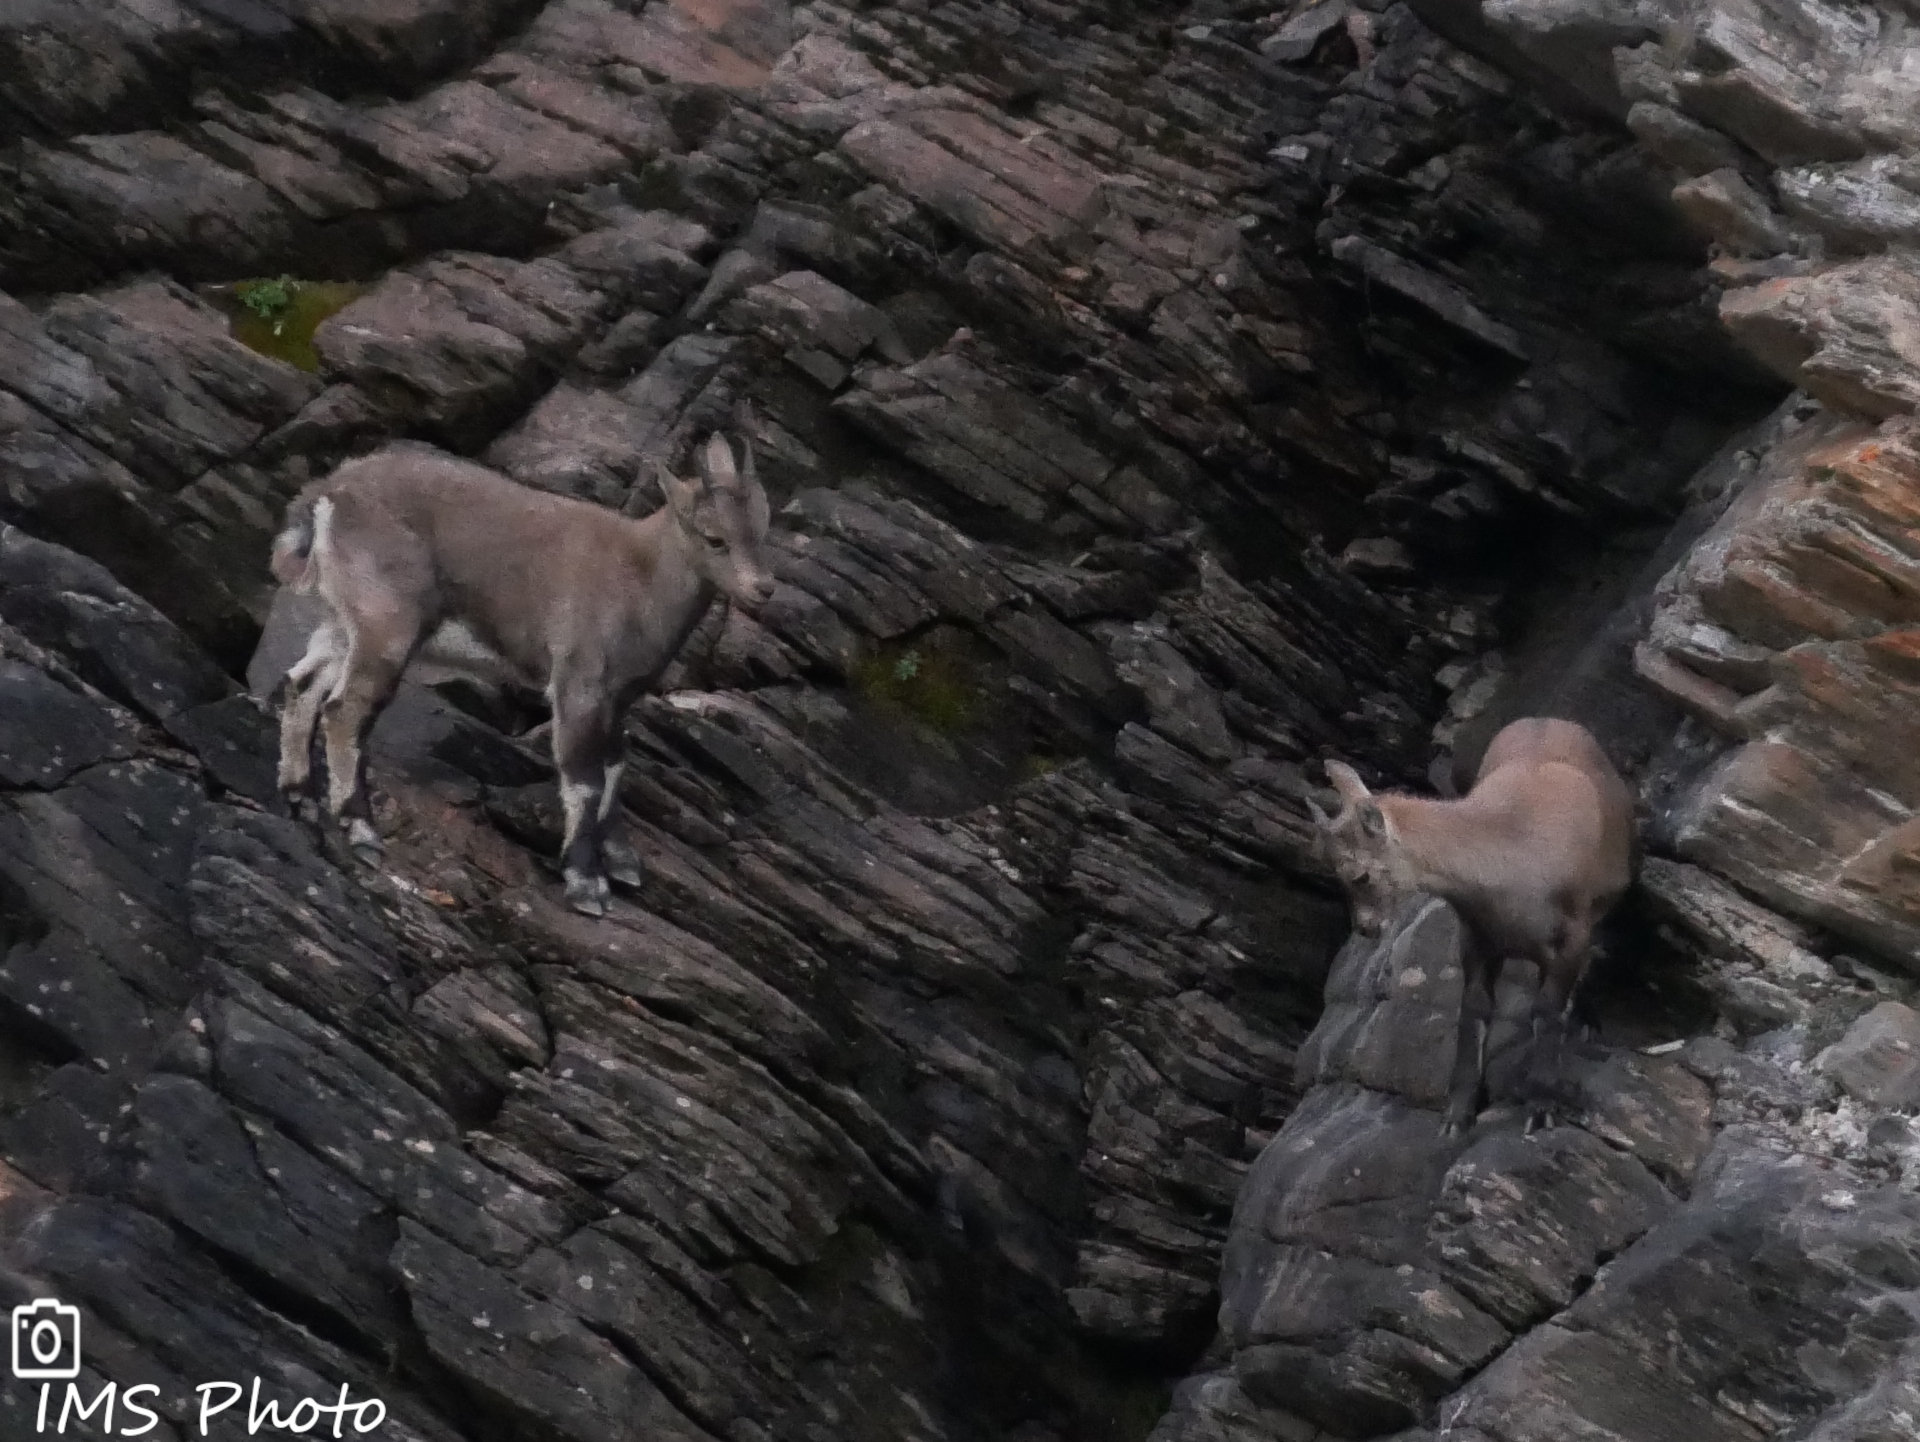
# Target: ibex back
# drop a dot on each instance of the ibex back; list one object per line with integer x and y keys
{"x": 1532, "y": 857}
{"x": 428, "y": 560}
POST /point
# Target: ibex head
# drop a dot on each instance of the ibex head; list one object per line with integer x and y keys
{"x": 725, "y": 515}
{"x": 1359, "y": 845}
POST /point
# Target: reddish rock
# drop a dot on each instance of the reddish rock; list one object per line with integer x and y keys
{"x": 1849, "y": 335}
{"x": 1816, "y": 806}
{"x": 1030, "y": 201}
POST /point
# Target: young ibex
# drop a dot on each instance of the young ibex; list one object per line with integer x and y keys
{"x": 1532, "y": 857}
{"x": 426, "y": 559}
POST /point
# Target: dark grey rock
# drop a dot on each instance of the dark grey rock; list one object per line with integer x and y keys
{"x": 1683, "y": 143}
{"x": 1296, "y": 39}
{"x": 461, "y": 343}
{"x": 286, "y": 1213}
{"x": 925, "y": 1093}
{"x": 526, "y": 1358}
{"x": 1691, "y": 1282}
{"x": 1447, "y": 301}
{"x": 1878, "y": 1060}
{"x": 113, "y": 639}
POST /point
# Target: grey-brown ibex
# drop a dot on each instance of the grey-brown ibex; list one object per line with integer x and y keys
{"x": 433, "y": 562}
{"x": 1532, "y": 857}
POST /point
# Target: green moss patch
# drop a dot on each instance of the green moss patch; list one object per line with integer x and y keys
{"x": 277, "y": 316}
{"x": 936, "y": 680}
{"x": 1038, "y": 764}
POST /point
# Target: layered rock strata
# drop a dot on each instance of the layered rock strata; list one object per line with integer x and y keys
{"x": 1732, "y": 1261}
{"x": 915, "y": 1093}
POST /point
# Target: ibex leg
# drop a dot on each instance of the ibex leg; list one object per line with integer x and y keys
{"x": 1553, "y": 1006}
{"x": 1482, "y": 967}
{"x": 623, "y": 864}
{"x": 1582, "y": 1019}
{"x": 586, "y": 750}
{"x": 308, "y": 684}
{"x": 376, "y": 655}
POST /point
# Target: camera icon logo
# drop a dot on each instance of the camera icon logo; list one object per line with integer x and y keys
{"x": 46, "y": 1341}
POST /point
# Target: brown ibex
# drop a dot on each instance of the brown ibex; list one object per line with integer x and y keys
{"x": 1532, "y": 857}
{"x": 428, "y": 560}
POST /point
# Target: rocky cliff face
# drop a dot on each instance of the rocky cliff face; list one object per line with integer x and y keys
{"x": 1723, "y": 1246}
{"x": 1153, "y": 404}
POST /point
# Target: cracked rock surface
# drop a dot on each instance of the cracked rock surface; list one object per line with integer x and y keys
{"x": 1152, "y": 404}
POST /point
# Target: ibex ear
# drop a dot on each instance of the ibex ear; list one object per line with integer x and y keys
{"x": 1373, "y": 825}
{"x": 716, "y": 463}
{"x": 1347, "y": 782}
{"x": 759, "y": 509}
{"x": 1320, "y": 818}
{"x": 682, "y": 496}
{"x": 759, "y": 512}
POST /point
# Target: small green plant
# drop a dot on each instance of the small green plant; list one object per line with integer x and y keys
{"x": 934, "y": 681}
{"x": 278, "y": 316}
{"x": 270, "y": 300}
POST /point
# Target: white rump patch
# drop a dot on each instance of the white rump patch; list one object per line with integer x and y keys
{"x": 320, "y": 552}
{"x": 328, "y": 576}
{"x": 455, "y": 652}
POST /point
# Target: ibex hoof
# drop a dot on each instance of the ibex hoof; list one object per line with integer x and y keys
{"x": 623, "y": 867}
{"x": 1542, "y": 1119}
{"x": 588, "y": 895}
{"x": 364, "y": 842}
{"x": 1454, "y": 1125}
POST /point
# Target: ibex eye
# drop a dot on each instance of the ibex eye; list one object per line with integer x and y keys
{"x": 719, "y": 543}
